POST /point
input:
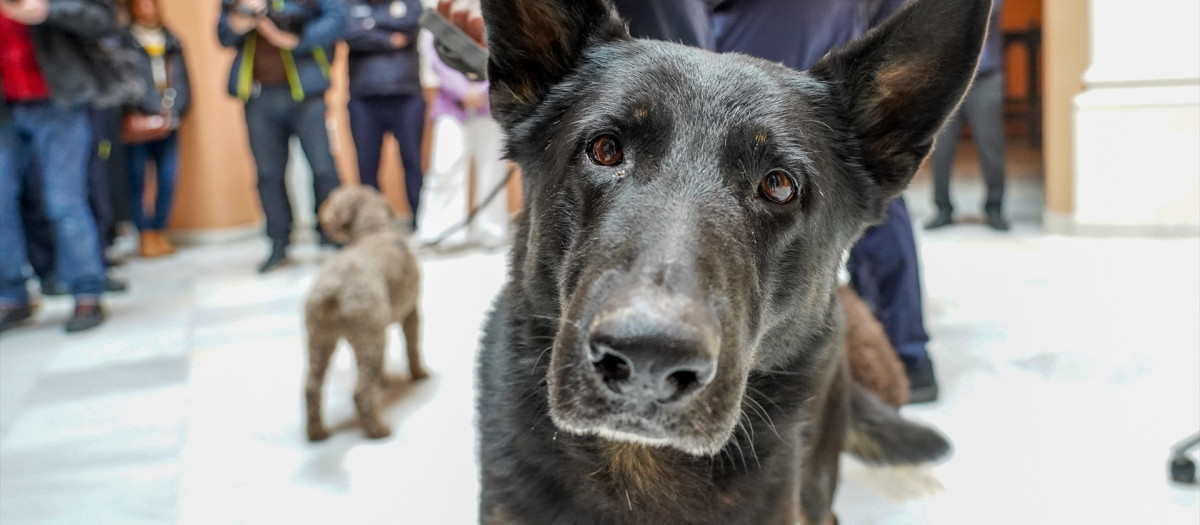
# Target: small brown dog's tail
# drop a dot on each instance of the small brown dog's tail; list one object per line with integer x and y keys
{"x": 878, "y": 435}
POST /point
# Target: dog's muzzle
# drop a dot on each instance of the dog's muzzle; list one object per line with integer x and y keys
{"x": 651, "y": 346}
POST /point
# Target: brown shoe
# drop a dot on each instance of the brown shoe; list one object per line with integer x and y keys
{"x": 147, "y": 248}
{"x": 154, "y": 245}
{"x": 165, "y": 243}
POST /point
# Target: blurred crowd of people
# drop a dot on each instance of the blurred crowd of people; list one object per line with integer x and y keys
{"x": 94, "y": 93}
{"x": 92, "y": 89}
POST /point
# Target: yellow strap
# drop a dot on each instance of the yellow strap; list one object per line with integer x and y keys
{"x": 322, "y": 60}
{"x": 246, "y": 72}
{"x": 289, "y": 65}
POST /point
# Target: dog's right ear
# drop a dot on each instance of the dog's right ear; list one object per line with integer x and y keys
{"x": 902, "y": 80}
{"x": 534, "y": 44}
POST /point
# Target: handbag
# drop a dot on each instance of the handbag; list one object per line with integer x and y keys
{"x": 140, "y": 128}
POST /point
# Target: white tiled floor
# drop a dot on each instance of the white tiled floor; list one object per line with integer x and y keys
{"x": 1068, "y": 367}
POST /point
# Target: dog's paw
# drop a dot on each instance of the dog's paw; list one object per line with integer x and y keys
{"x": 377, "y": 431}
{"x": 317, "y": 434}
{"x": 419, "y": 374}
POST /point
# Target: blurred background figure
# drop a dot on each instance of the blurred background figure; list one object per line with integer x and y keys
{"x": 983, "y": 109}
{"x": 47, "y": 82}
{"x": 385, "y": 88}
{"x": 281, "y": 73}
{"x": 883, "y": 265}
{"x": 464, "y": 136}
{"x": 682, "y": 21}
{"x": 167, "y": 98}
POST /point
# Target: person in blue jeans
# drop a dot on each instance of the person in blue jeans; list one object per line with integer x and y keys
{"x": 46, "y": 86}
{"x": 281, "y": 74}
{"x": 168, "y": 93}
{"x": 883, "y": 265}
{"x": 385, "y": 88}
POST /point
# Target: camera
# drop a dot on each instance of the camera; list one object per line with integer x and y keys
{"x": 292, "y": 19}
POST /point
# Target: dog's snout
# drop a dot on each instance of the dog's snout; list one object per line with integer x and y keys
{"x": 653, "y": 347}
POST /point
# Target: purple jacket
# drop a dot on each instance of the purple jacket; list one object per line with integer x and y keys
{"x": 452, "y": 88}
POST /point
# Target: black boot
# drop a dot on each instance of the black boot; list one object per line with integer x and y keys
{"x": 14, "y": 315}
{"x": 996, "y": 220}
{"x": 941, "y": 220}
{"x": 87, "y": 315}
{"x": 922, "y": 385}
{"x": 277, "y": 260}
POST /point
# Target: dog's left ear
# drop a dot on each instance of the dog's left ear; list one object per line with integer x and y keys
{"x": 902, "y": 80}
{"x": 535, "y": 44}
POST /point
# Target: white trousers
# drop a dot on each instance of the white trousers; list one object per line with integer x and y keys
{"x": 444, "y": 199}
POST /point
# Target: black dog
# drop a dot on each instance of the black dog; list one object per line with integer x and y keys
{"x": 669, "y": 347}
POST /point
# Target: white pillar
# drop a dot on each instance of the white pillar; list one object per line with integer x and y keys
{"x": 1137, "y": 122}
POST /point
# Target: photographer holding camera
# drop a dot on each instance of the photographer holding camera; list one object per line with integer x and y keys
{"x": 281, "y": 73}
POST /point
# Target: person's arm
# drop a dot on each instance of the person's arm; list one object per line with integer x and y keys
{"x": 325, "y": 30}
{"x": 361, "y": 39}
{"x": 228, "y": 33}
{"x": 83, "y": 18}
{"x": 183, "y": 87}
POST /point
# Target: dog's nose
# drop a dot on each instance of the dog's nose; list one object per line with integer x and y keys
{"x": 654, "y": 347}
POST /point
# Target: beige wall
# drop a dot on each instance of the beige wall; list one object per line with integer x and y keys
{"x": 216, "y": 176}
{"x": 1065, "y": 48}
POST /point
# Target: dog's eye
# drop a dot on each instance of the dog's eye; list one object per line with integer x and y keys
{"x": 778, "y": 187}
{"x": 606, "y": 150}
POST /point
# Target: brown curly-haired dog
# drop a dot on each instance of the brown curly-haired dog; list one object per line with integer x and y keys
{"x": 873, "y": 361}
{"x": 361, "y": 290}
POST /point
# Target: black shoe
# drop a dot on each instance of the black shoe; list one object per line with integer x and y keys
{"x": 12, "y": 316}
{"x": 115, "y": 285}
{"x": 996, "y": 220}
{"x": 87, "y": 315}
{"x": 54, "y": 288}
{"x": 941, "y": 220}
{"x": 922, "y": 386}
{"x": 277, "y": 260}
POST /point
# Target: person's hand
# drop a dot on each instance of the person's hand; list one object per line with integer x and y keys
{"x": 277, "y": 37}
{"x": 474, "y": 100}
{"x": 466, "y": 16}
{"x": 242, "y": 24}
{"x": 399, "y": 40}
{"x": 26, "y": 12}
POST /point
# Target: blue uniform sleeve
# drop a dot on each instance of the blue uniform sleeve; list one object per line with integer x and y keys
{"x": 364, "y": 34}
{"x": 325, "y": 30}
{"x": 225, "y": 35}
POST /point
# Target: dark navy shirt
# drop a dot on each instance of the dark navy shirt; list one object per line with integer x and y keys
{"x": 795, "y": 33}
{"x": 682, "y": 21}
{"x": 376, "y": 68}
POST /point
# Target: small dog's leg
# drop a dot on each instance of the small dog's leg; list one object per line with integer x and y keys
{"x": 369, "y": 349}
{"x": 320, "y": 350}
{"x": 412, "y": 342}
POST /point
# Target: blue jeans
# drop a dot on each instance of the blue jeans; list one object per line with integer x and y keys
{"x": 404, "y": 117}
{"x": 60, "y": 140}
{"x": 272, "y": 118}
{"x": 884, "y": 271}
{"x": 165, "y": 154}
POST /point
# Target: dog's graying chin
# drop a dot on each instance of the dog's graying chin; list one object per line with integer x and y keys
{"x": 685, "y": 215}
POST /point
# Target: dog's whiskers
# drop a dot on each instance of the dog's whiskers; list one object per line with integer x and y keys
{"x": 539, "y": 359}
